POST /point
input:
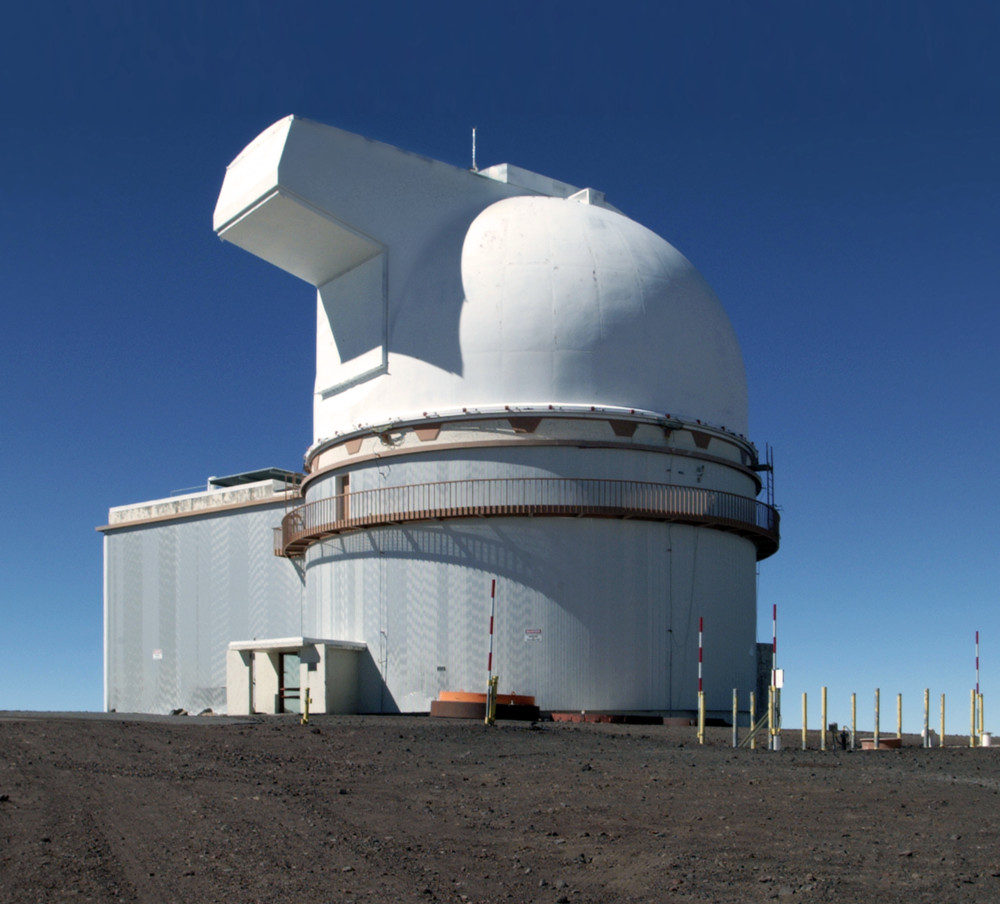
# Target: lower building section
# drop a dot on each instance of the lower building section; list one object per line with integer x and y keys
{"x": 588, "y": 613}
{"x": 581, "y": 600}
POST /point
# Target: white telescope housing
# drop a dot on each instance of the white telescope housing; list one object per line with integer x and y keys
{"x": 441, "y": 290}
{"x": 514, "y": 382}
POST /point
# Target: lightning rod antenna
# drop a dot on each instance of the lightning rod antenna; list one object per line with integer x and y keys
{"x": 474, "y": 167}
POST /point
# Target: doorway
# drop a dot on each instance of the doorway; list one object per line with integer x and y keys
{"x": 289, "y": 690}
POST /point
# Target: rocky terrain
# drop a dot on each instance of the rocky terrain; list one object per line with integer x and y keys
{"x": 387, "y": 809}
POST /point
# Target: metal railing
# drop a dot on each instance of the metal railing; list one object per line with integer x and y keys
{"x": 528, "y": 496}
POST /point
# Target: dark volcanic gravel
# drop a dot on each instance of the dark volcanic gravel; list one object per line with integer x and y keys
{"x": 386, "y": 809}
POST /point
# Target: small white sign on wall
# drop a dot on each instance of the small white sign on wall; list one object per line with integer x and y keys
{"x": 532, "y": 633}
{"x": 157, "y": 654}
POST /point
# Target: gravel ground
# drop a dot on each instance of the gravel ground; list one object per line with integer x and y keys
{"x": 387, "y": 809}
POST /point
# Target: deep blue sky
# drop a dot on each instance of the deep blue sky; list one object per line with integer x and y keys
{"x": 832, "y": 169}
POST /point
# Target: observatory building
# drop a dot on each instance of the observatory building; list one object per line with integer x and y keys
{"x": 524, "y": 400}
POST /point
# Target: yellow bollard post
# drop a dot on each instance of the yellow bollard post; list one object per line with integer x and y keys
{"x": 927, "y": 717}
{"x": 854, "y": 718}
{"x": 804, "y": 720}
{"x": 491, "y": 699}
{"x": 823, "y": 723}
{"x": 899, "y": 715}
{"x": 877, "y": 692}
{"x": 942, "y": 721}
{"x": 753, "y": 720}
{"x": 736, "y": 715}
{"x": 701, "y": 717}
{"x": 972, "y": 721}
{"x": 306, "y": 700}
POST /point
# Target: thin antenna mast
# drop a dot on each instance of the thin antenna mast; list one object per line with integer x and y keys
{"x": 474, "y": 167}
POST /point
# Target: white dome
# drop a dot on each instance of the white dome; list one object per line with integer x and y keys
{"x": 569, "y": 303}
{"x": 561, "y": 303}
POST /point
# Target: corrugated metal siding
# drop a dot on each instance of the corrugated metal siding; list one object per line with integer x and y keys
{"x": 187, "y": 588}
{"x": 617, "y": 604}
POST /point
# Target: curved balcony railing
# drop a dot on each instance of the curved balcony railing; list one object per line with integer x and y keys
{"x": 528, "y": 497}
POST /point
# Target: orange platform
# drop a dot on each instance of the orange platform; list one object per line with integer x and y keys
{"x": 469, "y": 697}
{"x": 467, "y": 705}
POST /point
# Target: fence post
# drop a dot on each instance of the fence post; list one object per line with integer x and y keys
{"x": 854, "y": 718}
{"x": 823, "y": 725}
{"x": 753, "y": 720}
{"x": 736, "y": 713}
{"x": 927, "y": 717}
{"x": 877, "y": 691}
{"x": 942, "y": 720}
{"x": 804, "y": 720}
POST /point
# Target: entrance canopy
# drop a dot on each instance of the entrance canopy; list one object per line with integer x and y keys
{"x": 275, "y": 675}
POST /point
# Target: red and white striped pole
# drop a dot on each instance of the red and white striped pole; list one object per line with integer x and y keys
{"x": 774, "y": 645}
{"x": 493, "y": 606}
{"x": 977, "y": 714}
{"x": 775, "y": 704}
{"x": 977, "y": 663}
{"x": 491, "y": 682}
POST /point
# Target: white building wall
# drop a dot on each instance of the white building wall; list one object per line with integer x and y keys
{"x": 178, "y": 592}
{"x": 616, "y": 603}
